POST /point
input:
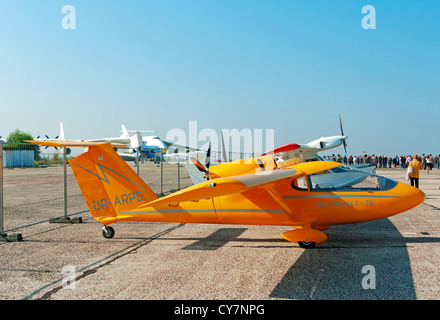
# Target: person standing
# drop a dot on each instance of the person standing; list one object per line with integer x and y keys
{"x": 414, "y": 176}
{"x": 408, "y": 160}
{"x": 424, "y": 161}
{"x": 429, "y": 163}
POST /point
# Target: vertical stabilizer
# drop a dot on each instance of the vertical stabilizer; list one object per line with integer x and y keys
{"x": 108, "y": 184}
{"x": 61, "y": 136}
{"x": 125, "y": 133}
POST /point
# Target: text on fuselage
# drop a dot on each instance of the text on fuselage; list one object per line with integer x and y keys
{"x": 121, "y": 200}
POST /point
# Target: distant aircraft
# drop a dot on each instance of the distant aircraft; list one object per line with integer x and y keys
{"x": 254, "y": 191}
{"x": 309, "y": 151}
{"x": 126, "y": 145}
{"x": 148, "y": 147}
{"x": 61, "y": 141}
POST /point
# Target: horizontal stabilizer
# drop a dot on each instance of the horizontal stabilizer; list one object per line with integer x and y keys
{"x": 71, "y": 143}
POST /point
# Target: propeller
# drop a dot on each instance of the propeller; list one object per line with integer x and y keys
{"x": 224, "y": 157}
{"x": 207, "y": 162}
{"x": 205, "y": 169}
{"x": 47, "y": 137}
{"x": 342, "y": 133}
{"x": 208, "y": 157}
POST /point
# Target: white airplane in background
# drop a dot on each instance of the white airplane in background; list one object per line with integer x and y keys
{"x": 149, "y": 147}
{"x": 309, "y": 151}
{"x": 126, "y": 145}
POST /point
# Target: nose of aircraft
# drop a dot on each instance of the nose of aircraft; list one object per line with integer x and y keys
{"x": 412, "y": 196}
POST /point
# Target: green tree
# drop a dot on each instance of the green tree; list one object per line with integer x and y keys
{"x": 17, "y": 137}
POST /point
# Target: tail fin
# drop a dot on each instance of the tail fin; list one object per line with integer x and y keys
{"x": 108, "y": 184}
{"x": 125, "y": 133}
{"x": 61, "y": 136}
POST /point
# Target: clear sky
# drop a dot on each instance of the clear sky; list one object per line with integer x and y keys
{"x": 291, "y": 66}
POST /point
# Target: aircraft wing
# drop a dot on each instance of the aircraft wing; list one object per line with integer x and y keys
{"x": 293, "y": 150}
{"x": 237, "y": 184}
{"x": 71, "y": 143}
{"x": 121, "y": 140}
{"x": 286, "y": 148}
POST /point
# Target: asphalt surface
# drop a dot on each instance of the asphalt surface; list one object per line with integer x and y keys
{"x": 389, "y": 259}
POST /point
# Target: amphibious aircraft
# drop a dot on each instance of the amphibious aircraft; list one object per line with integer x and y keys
{"x": 254, "y": 191}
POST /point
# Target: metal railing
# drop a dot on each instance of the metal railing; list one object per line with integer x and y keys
{"x": 20, "y": 156}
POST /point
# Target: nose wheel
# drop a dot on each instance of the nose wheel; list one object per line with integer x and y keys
{"x": 108, "y": 232}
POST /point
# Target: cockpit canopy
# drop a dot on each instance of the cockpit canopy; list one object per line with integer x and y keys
{"x": 343, "y": 179}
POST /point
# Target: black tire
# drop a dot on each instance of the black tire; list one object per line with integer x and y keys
{"x": 108, "y": 232}
{"x": 306, "y": 244}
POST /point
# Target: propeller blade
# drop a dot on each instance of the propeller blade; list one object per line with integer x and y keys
{"x": 342, "y": 134}
{"x": 198, "y": 165}
{"x": 340, "y": 123}
{"x": 208, "y": 156}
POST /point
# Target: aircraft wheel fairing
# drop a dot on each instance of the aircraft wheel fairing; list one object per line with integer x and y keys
{"x": 306, "y": 238}
{"x": 108, "y": 232}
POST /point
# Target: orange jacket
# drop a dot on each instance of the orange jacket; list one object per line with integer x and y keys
{"x": 417, "y": 165}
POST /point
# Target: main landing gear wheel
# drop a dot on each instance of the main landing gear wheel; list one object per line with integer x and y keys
{"x": 306, "y": 244}
{"x": 108, "y": 232}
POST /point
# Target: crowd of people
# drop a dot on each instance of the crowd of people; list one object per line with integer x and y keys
{"x": 382, "y": 161}
{"x": 413, "y": 164}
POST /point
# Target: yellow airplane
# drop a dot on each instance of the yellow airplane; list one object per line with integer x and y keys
{"x": 258, "y": 191}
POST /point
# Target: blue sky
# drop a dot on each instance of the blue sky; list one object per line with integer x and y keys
{"x": 291, "y": 66}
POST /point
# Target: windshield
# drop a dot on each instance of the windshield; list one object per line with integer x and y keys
{"x": 349, "y": 179}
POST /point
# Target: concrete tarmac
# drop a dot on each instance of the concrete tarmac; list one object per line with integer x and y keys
{"x": 389, "y": 259}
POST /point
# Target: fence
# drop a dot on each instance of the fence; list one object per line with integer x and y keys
{"x": 30, "y": 194}
{"x": 44, "y": 189}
